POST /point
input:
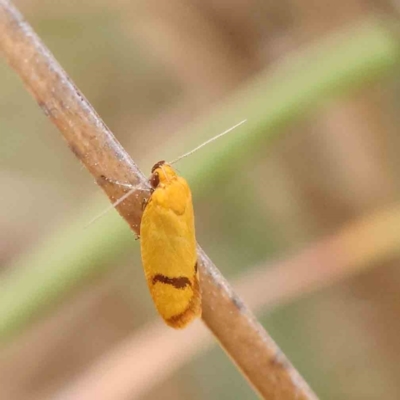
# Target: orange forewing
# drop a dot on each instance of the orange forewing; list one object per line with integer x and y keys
{"x": 168, "y": 246}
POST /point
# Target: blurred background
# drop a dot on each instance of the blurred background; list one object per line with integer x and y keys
{"x": 151, "y": 69}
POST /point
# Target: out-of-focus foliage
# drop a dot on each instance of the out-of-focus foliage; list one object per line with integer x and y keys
{"x": 151, "y": 69}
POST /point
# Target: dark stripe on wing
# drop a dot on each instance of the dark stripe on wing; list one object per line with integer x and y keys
{"x": 192, "y": 311}
{"x": 178, "y": 283}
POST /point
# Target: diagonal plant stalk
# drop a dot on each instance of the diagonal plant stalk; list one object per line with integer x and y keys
{"x": 231, "y": 322}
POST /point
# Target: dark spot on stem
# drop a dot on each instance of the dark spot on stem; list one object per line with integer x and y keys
{"x": 75, "y": 150}
{"x": 237, "y": 302}
{"x": 279, "y": 360}
{"x": 44, "y": 108}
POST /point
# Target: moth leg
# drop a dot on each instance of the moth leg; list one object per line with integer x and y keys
{"x": 144, "y": 203}
{"x": 126, "y": 185}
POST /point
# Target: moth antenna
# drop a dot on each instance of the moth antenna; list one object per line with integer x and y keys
{"x": 162, "y": 167}
{"x": 113, "y": 205}
{"x": 133, "y": 189}
{"x": 207, "y": 142}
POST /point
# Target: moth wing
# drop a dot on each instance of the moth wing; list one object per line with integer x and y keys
{"x": 169, "y": 253}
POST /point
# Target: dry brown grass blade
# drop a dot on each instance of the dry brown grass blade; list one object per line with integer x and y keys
{"x": 352, "y": 250}
{"x": 228, "y": 318}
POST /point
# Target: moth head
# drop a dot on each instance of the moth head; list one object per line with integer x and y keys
{"x": 161, "y": 173}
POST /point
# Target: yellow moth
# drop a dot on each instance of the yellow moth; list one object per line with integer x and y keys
{"x": 168, "y": 243}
